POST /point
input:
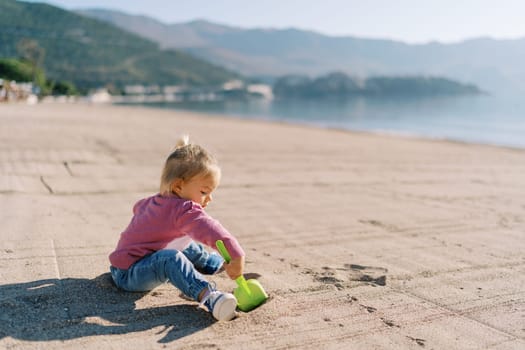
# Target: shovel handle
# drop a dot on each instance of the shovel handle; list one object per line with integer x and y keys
{"x": 241, "y": 282}
{"x": 223, "y": 251}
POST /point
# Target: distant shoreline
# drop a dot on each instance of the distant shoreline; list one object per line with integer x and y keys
{"x": 262, "y": 119}
{"x": 268, "y": 111}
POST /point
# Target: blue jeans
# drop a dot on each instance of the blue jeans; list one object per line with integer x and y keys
{"x": 179, "y": 268}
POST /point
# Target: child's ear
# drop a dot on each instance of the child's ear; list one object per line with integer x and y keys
{"x": 176, "y": 185}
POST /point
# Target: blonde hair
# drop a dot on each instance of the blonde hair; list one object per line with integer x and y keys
{"x": 185, "y": 162}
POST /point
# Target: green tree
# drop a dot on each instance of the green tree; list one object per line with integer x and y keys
{"x": 31, "y": 51}
{"x": 62, "y": 88}
{"x": 13, "y": 69}
{"x": 23, "y": 71}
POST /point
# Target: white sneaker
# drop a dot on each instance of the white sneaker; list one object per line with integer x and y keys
{"x": 222, "y": 305}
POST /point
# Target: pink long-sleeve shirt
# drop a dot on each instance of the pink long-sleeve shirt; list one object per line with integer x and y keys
{"x": 161, "y": 222}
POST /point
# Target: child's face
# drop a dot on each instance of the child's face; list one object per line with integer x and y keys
{"x": 197, "y": 189}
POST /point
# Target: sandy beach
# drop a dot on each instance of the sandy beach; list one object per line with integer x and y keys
{"x": 362, "y": 241}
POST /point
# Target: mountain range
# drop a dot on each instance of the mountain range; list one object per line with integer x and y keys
{"x": 493, "y": 65}
{"x": 92, "y": 53}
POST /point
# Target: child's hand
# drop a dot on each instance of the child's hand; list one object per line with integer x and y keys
{"x": 235, "y": 268}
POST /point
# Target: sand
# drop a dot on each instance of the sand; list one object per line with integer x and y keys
{"x": 362, "y": 241}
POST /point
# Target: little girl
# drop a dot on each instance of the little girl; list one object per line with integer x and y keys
{"x": 159, "y": 243}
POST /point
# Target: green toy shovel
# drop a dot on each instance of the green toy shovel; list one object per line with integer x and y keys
{"x": 249, "y": 293}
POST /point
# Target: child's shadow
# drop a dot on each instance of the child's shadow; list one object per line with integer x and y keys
{"x": 60, "y": 309}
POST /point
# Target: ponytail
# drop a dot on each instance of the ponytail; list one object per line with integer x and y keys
{"x": 183, "y": 140}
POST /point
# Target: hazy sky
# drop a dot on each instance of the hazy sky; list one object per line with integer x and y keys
{"x": 413, "y": 21}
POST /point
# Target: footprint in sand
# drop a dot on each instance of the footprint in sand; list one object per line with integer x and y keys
{"x": 342, "y": 277}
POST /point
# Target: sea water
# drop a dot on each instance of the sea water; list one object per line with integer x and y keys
{"x": 484, "y": 119}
